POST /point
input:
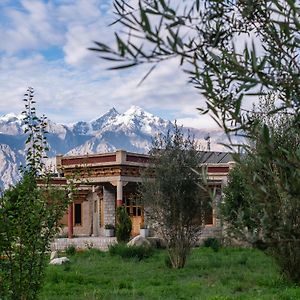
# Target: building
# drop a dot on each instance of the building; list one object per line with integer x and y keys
{"x": 108, "y": 180}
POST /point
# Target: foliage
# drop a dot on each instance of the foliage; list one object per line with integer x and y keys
{"x": 240, "y": 210}
{"x": 234, "y": 273}
{"x": 138, "y": 252}
{"x": 212, "y": 243}
{"x": 173, "y": 193}
{"x": 71, "y": 250}
{"x": 123, "y": 226}
{"x": 269, "y": 206}
{"x": 29, "y": 217}
{"x": 232, "y": 50}
{"x": 109, "y": 226}
{"x": 143, "y": 226}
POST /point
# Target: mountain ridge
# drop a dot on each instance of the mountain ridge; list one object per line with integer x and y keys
{"x": 132, "y": 131}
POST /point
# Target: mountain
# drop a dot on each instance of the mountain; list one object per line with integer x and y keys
{"x": 132, "y": 130}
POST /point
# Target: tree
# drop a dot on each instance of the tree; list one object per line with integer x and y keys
{"x": 241, "y": 213}
{"x": 173, "y": 193}
{"x": 30, "y": 213}
{"x": 124, "y": 225}
{"x": 262, "y": 196}
{"x": 233, "y": 51}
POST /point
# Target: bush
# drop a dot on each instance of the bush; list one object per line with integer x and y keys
{"x": 212, "y": 243}
{"x": 109, "y": 226}
{"x": 71, "y": 250}
{"x": 138, "y": 252}
{"x": 124, "y": 225}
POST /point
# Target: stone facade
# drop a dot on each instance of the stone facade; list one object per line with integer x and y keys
{"x": 109, "y": 198}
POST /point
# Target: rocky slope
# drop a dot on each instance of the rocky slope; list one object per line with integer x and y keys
{"x": 132, "y": 131}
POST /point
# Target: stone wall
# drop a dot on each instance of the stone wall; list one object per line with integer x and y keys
{"x": 109, "y": 198}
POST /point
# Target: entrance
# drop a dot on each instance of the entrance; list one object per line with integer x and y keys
{"x": 136, "y": 213}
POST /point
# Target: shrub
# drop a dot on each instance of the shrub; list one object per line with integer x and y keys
{"x": 71, "y": 250}
{"x": 124, "y": 225}
{"x": 212, "y": 243}
{"x": 143, "y": 226}
{"x": 109, "y": 226}
{"x": 138, "y": 252}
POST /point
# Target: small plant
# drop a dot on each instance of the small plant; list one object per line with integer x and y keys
{"x": 138, "y": 252}
{"x": 143, "y": 226}
{"x": 124, "y": 225}
{"x": 212, "y": 243}
{"x": 109, "y": 226}
{"x": 71, "y": 250}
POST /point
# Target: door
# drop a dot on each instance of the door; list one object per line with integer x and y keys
{"x": 136, "y": 213}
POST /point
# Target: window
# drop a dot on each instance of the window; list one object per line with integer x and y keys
{"x": 133, "y": 207}
{"x": 77, "y": 217}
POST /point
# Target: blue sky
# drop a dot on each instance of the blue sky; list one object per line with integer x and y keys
{"x": 44, "y": 45}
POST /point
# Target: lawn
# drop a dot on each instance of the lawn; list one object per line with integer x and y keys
{"x": 227, "y": 274}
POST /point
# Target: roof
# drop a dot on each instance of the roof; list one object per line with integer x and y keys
{"x": 212, "y": 157}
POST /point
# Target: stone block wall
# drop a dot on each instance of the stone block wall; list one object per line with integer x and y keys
{"x": 109, "y": 198}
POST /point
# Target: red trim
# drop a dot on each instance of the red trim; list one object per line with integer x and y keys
{"x": 70, "y": 221}
{"x": 88, "y": 160}
{"x": 138, "y": 159}
{"x": 119, "y": 202}
{"x": 217, "y": 169}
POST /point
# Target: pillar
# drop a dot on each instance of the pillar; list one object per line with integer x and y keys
{"x": 119, "y": 193}
{"x": 109, "y": 199}
{"x": 70, "y": 221}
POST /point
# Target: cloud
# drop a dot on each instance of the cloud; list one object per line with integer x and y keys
{"x": 76, "y": 86}
{"x": 30, "y": 27}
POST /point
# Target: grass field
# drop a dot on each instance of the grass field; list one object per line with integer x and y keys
{"x": 227, "y": 274}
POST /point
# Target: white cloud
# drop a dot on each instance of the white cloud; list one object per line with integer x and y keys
{"x": 32, "y": 26}
{"x": 76, "y": 87}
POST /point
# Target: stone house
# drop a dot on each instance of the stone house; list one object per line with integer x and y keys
{"x": 108, "y": 180}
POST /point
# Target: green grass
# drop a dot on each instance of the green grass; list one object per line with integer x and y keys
{"x": 227, "y": 274}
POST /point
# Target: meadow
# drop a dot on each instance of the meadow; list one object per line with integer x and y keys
{"x": 227, "y": 274}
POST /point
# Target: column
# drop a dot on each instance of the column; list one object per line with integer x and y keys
{"x": 119, "y": 193}
{"x": 70, "y": 221}
{"x": 109, "y": 199}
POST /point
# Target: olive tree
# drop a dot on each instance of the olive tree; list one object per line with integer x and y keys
{"x": 174, "y": 193}
{"x": 262, "y": 196}
{"x": 30, "y": 213}
{"x": 233, "y": 51}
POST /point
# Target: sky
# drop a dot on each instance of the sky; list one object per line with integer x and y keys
{"x": 44, "y": 45}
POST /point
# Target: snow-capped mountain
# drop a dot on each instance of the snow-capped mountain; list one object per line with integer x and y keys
{"x": 132, "y": 130}
{"x": 10, "y": 161}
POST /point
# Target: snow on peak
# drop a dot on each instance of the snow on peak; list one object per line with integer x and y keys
{"x": 137, "y": 111}
{"x": 112, "y": 111}
{"x": 10, "y": 117}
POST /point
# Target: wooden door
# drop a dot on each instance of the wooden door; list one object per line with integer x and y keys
{"x": 136, "y": 213}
